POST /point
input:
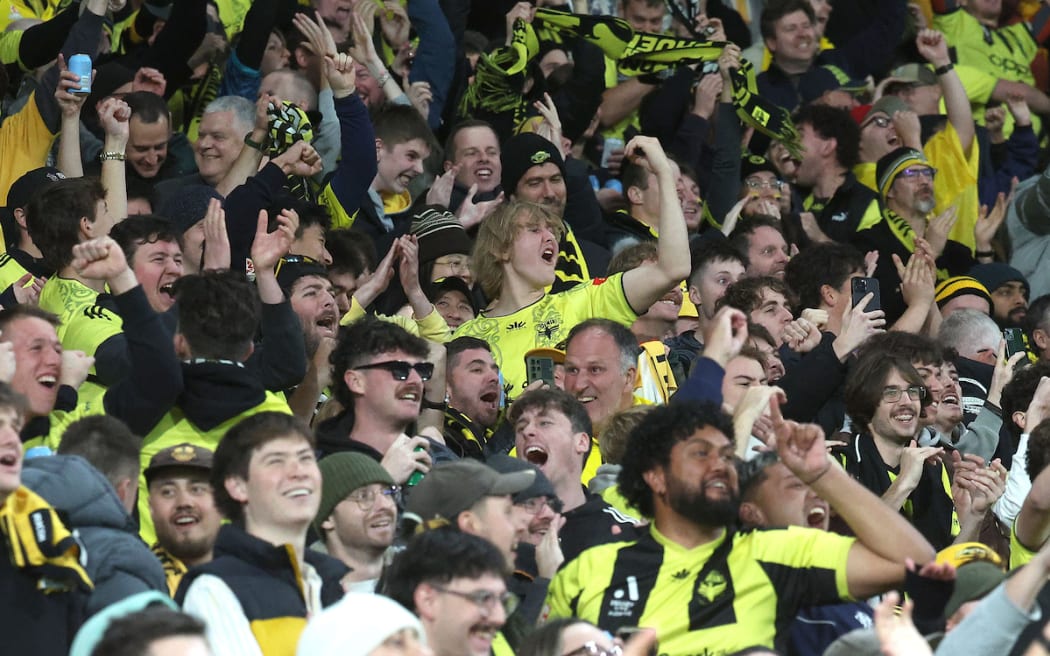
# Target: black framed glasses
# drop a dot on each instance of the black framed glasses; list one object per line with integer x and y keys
{"x": 893, "y": 394}
{"x": 919, "y": 171}
{"x": 881, "y": 121}
{"x": 754, "y": 183}
{"x": 295, "y": 259}
{"x": 400, "y": 369}
{"x": 594, "y": 649}
{"x": 486, "y": 600}
{"x": 365, "y": 498}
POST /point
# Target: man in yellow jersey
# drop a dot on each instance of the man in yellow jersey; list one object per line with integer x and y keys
{"x": 516, "y": 254}
{"x": 552, "y": 431}
{"x": 263, "y": 582}
{"x": 994, "y": 62}
{"x": 182, "y": 506}
{"x": 533, "y": 170}
{"x": 699, "y": 582}
{"x": 50, "y": 377}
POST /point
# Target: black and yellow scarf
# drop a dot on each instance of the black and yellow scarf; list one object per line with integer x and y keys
{"x": 38, "y": 543}
{"x": 499, "y": 76}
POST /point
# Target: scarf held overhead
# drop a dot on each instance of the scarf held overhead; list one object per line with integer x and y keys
{"x": 636, "y": 53}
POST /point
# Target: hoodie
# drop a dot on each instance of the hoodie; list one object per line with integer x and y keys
{"x": 117, "y": 561}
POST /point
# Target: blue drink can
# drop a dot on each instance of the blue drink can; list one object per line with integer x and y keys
{"x": 81, "y": 65}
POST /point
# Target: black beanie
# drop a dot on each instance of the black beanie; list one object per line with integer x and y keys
{"x": 524, "y": 151}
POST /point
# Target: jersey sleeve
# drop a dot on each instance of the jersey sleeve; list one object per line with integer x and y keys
{"x": 564, "y": 592}
{"x": 808, "y": 564}
{"x": 609, "y": 300}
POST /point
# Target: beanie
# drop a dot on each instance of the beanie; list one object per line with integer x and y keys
{"x": 994, "y": 275}
{"x": 439, "y": 233}
{"x": 522, "y": 152}
{"x": 293, "y": 267}
{"x": 356, "y": 625}
{"x": 341, "y": 474}
{"x": 187, "y": 206}
{"x": 890, "y": 165}
{"x": 957, "y": 286}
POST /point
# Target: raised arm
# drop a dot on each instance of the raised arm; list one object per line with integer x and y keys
{"x": 432, "y": 63}
{"x": 114, "y": 115}
{"x": 934, "y": 47}
{"x": 70, "y": 103}
{"x": 884, "y": 538}
{"x": 645, "y": 284}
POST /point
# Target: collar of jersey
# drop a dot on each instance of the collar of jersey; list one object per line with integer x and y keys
{"x": 671, "y": 545}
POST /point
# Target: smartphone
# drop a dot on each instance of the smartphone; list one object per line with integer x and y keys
{"x": 625, "y": 633}
{"x": 1014, "y": 341}
{"x": 611, "y": 144}
{"x": 861, "y": 287}
{"x": 540, "y": 367}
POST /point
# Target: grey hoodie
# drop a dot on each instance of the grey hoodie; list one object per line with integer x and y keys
{"x": 117, "y": 560}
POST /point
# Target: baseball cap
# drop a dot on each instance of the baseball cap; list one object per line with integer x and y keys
{"x": 451, "y": 284}
{"x": 751, "y": 164}
{"x": 541, "y": 486}
{"x": 293, "y": 267}
{"x": 888, "y": 105}
{"x": 916, "y": 74}
{"x": 180, "y": 455}
{"x": 450, "y": 488}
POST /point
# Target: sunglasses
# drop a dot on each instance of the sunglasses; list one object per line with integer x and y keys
{"x": 400, "y": 369}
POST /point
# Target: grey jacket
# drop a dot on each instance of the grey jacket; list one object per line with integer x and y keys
{"x": 118, "y": 561}
{"x": 1028, "y": 222}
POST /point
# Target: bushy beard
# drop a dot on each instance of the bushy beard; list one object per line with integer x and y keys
{"x": 697, "y": 507}
{"x": 925, "y": 206}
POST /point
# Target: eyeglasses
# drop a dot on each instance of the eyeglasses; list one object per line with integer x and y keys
{"x": 366, "y": 498}
{"x": 754, "y": 183}
{"x": 594, "y": 649}
{"x": 919, "y": 171}
{"x": 486, "y": 600}
{"x": 880, "y": 121}
{"x": 454, "y": 263}
{"x": 536, "y": 504}
{"x": 294, "y": 259}
{"x": 893, "y": 394}
{"x": 401, "y": 369}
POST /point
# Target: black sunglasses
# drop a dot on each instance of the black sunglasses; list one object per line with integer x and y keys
{"x": 400, "y": 369}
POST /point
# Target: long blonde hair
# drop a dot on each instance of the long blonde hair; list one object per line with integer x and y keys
{"x": 496, "y": 235}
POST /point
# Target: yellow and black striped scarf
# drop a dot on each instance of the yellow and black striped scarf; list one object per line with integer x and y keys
{"x": 497, "y": 81}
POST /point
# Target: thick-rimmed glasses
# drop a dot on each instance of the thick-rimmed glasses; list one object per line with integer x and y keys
{"x": 486, "y": 600}
{"x": 594, "y": 649}
{"x": 893, "y": 394}
{"x": 880, "y": 121}
{"x": 754, "y": 183}
{"x": 400, "y": 369}
{"x": 918, "y": 171}
{"x": 365, "y": 498}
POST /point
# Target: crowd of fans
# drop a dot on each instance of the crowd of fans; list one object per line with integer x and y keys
{"x": 451, "y": 328}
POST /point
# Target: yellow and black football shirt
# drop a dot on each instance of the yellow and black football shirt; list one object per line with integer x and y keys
{"x": 545, "y": 323}
{"x": 741, "y": 590}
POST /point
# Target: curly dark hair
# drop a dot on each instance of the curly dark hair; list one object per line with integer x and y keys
{"x": 438, "y": 556}
{"x": 53, "y": 217}
{"x": 218, "y": 314}
{"x": 1038, "y": 449}
{"x": 909, "y": 346}
{"x": 364, "y": 339}
{"x": 650, "y": 443}
{"x": 833, "y": 123}
{"x": 818, "y": 265}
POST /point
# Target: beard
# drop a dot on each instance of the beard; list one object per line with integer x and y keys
{"x": 925, "y": 205}
{"x": 694, "y": 505}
